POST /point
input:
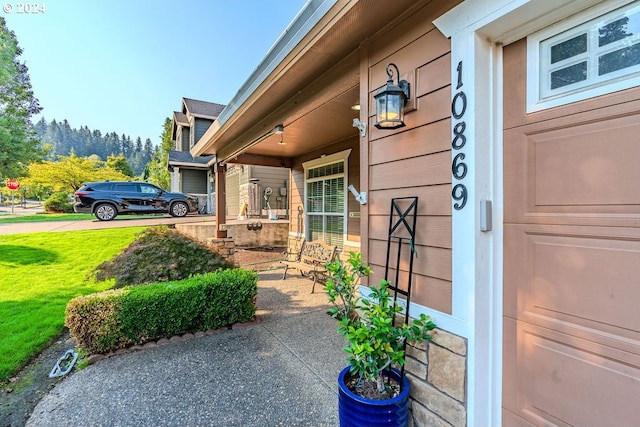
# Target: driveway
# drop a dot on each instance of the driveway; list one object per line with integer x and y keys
{"x": 120, "y": 221}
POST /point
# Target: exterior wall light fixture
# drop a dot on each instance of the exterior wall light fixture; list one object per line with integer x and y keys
{"x": 390, "y": 101}
{"x": 279, "y": 130}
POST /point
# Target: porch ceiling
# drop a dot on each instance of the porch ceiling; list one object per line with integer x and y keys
{"x": 311, "y": 91}
{"x": 309, "y": 130}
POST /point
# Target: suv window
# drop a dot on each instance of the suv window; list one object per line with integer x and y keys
{"x": 148, "y": 189}
{"x": 103, "y": 186}
{"x": 126, "y": 187}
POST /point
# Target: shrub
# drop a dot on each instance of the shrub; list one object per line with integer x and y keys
{"x": 94, "y": 319}
{"x": 133, "y": 315}
{"x": 58, "y": 202}
{"x": 160, "y": 254}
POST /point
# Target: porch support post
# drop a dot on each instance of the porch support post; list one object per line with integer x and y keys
{"x": 221, "y": 200}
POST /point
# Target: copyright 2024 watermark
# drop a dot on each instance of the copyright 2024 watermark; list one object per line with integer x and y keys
{"x": 24, "y": 8}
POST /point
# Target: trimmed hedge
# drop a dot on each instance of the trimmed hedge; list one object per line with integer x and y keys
{"x": 114, "y": 319}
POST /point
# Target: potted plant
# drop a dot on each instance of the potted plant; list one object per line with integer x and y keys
{"x": 372, "y": 392}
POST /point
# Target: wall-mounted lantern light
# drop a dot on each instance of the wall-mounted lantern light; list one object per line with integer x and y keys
{"x": 390, "y": 101}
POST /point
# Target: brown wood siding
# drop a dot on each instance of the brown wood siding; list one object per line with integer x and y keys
{"x": 414, "y": 160}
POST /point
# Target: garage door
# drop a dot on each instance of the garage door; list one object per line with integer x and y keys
{"x": 571, "y": 256}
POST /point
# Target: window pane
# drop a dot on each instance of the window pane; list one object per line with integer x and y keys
{"x": 314, "y": 196}
{"x": 334, "y": 195}
{"x": 619, "y": 29}
{"x": 569, "y": 48}
{"x": 619, "y": 59}
{"x": 335, "y": 226}
{"x": 569, "y": 75}
{"x": 315, "y": 227}
{"x": 327, "y": 170}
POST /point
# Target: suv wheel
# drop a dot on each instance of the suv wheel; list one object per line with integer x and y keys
{"x": 179, "y": 209}
{"x": 105, "y": 212}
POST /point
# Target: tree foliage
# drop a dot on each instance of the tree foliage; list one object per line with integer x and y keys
{"x": 157, "y": 172}
{"x": 120, "y": 164}
{"x": 60, "y": 139}
{"x": 69, "y": 173}
{"x": 18, "y": 145}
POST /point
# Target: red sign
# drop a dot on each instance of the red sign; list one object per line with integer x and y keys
{"x": 13, "y": 184}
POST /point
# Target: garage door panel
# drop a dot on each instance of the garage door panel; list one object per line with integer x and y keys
{"x": 591, "y": 164}
{"x": 571, "y": 285}
{"x": 553, "y": 368}
{"x": 558, "y": 281}
{"x": 587, "y": 170}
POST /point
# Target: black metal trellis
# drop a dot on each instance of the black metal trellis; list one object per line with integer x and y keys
{"x": 402, "y": 230}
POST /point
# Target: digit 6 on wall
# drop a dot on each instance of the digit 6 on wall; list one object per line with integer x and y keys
{"x": 459, "y": 168}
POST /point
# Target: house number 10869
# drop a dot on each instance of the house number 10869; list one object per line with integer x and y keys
{"x": 458, "y": 167}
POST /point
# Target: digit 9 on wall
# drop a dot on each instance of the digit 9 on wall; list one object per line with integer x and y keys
{"x": 459, "y": 168}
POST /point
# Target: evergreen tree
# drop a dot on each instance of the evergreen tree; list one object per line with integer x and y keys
{"x": 157, "y": 170}
{"x": 18, "y": 143}
{"x": 40, "y": 128}
{"x": 61, "y": 139}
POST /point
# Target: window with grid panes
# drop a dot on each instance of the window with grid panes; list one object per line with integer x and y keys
{"x": 325, "y": 203}
{"x": 596, "y": 57}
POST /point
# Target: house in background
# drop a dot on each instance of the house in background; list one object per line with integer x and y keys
{"x": 189, "y": 174}
{"x": 255, "y": 186}
{"x": 259, "y": 187}
{"x": 520, "y": 140}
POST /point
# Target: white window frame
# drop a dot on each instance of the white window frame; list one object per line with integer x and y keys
{"x": 541, "y": 98}
{"x": 342, "y": 156}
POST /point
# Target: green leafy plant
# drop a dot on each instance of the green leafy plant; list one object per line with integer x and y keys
{"x": 58, "y": 202}
{"x": 375, "y": 341}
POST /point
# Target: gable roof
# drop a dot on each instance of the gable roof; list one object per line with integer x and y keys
{"x": 180, "y": 118}
{"x": 183, "y": 158}
{"x": 198, "y": 108}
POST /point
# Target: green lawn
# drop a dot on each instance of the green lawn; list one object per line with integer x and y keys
{"x": 39, "y": 274}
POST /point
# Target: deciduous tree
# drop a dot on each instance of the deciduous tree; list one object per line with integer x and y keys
{"x": 69, "y": 173}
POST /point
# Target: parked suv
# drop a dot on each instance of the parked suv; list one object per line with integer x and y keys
{"x": 107, "y": 199}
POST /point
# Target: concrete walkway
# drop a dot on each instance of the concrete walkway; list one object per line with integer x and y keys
{"x": 280, "y": 371}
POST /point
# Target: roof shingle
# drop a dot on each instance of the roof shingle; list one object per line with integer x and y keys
{"x": 203, "y": 108}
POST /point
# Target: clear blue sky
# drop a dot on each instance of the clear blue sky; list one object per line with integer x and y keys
{"x": 124, "y": 65}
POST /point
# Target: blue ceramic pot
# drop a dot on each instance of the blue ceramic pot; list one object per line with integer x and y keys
{"x": 357, "y": 411}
